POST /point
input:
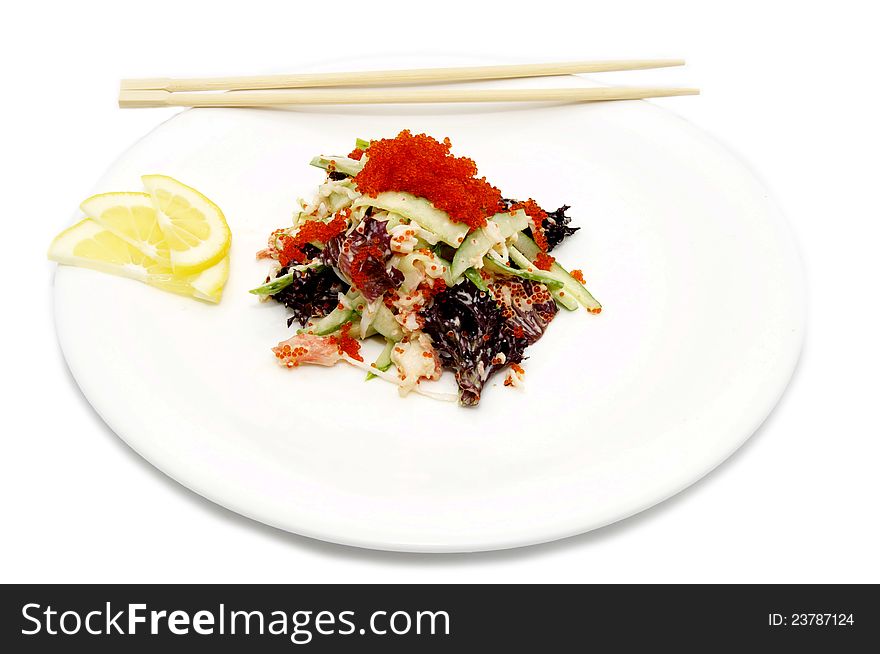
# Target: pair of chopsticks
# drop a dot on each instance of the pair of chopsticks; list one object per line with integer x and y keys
{"x": 310, "y": 88}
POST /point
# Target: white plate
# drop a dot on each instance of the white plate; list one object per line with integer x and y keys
{"x": 703, "y": 321}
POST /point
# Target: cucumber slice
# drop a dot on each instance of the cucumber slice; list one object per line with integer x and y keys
{"x": 524, "y": 246}
{"x": 361, "y": 144}
{"x": 421, "y": 211}
{"x": 383, "y": 362}
{"x": 341, "y": 164}
{"x": 384, "y": 323}
{"x": 381, "y": 321}
{"x": 478, "y": 243}
{"x": 330, "y": 323}
{"x": 394, "y": 219}
{"x": 500, "y": 269}
{"x": 338, "y": 317}
{"x": 556, "y": 287}
{"x": 273, "y": 286}
{"x": 564, "y": 300}
{"x": 477, "y": 280}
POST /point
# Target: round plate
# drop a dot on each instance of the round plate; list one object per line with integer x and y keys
{"x": 703, "y": 321}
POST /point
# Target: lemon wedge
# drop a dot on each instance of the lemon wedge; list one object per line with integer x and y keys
{"x": 208, "y": 284}
{"x": 89, "y": 244}
{"x": 133, "y": 218}
{"x": 195, "y": 229}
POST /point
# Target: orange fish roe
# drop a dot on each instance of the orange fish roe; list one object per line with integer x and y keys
{"x": 515, "y": 370}
{"x": 291, "y": 355}
{"x": 313, "y": 230}
{"x": 422, "y": 165}
{"x": 346, "y": 344}
{"x": 360, "y": 274}
{"x": 357, "y": 153}
{"x": 537, "y": 214}
{"x": 544, "y": 261}
{"x": 578, "y": 275}
{"x": 429, "y": 291}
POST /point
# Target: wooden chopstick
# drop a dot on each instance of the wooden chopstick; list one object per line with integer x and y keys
{"x": 413, "y": 76}
{"x": 265, "y": 98}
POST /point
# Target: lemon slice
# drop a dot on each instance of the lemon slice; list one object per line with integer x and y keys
{"x": 194, "y": 227}
{"x": 133, "y": 218}
{"x": 90, "y": 245}
{"x": 208, "y": 284}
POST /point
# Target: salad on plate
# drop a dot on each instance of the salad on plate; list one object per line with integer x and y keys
{"x": 403, "y": 242}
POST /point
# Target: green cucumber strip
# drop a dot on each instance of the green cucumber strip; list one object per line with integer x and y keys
{"x": 521, "y": 260}
{"x": 553, "y": 285}
{"x": 338, "y": 317}
{"x": 475, "y": 277}
{"x": 471, "y": 253}
{"x": 478, "y": 243}
{"x": 354, "y": 298}
{"x": 330, "y": 323}
{"x": 526, "y": 247}
{"x": 383, "y": 362}
{"x": 394, "y": 219}
{"x": 341, "y": 164}
{"x": 361, "y": 144}
{"x": 565, "y": 301}
{"x": 385, "y": 323}
{"x": 273, "y": 286}
{"x": 421, "y": 211}
{"x": 499, "y": 268}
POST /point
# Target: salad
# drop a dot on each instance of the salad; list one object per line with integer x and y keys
{"x": 404, "y": 243}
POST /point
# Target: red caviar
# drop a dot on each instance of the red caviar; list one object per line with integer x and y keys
{"x": 516, "y": 369}
{"x": 578, "y": 275}
{"x": 429, "y": 291}
{"x": 360, "y": 274}
{"x": 346, "y": 344}
{"x": 357, "y": 153}
{"x": 422, "y": 165}
{"x": 544, "y": 261}
{"x": 312, "y": 230}
{"x": 537, "y": 214}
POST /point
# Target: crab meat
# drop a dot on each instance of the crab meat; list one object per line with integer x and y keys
{"x": 308, "y": 348}
{"x": 415, "y": 360}
{"x": 403, "y": 239}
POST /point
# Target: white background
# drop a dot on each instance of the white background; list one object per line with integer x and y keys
{"x": 790, "y": 86}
